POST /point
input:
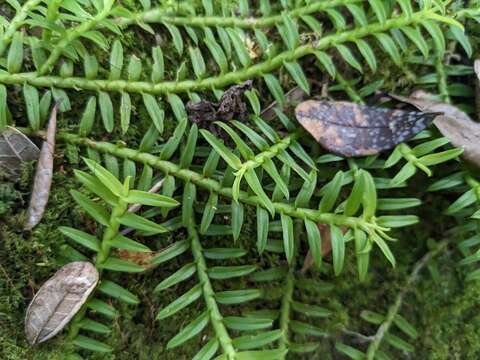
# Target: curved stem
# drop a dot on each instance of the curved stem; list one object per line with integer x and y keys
{"x": 209, "y": 295}
{"x": 220, "y": 81}
{"x": 16, "y": 22}
{"x": 394, "y": 309}
{"x": 288, "y": 289}
{"x": 285, "y": 310}
{"x": 158, "y": 16}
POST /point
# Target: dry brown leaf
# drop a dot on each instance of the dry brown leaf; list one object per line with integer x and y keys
{"x": 140, "y": 258}
{"x": 15, "y": 148}
{"x": 58, "y": 300}
{"x": 454, "y": 124}
{"x": 43, "y": 175}
{"x": 350, "y": 129}
{"x": 326, "y": 246}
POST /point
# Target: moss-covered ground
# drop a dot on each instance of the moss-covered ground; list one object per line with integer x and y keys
{"x": 442, "y": 307}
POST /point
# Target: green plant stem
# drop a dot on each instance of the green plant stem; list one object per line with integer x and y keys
{"x": 16, "y": 22}
{"x": 52, "y": 16}
{"x": 271, "y": 152}
{"x": 216, "y": 317}
{"x": 442, "y": 79}
{"x": 394, "y": 309}
{"x": 110, "y": 232}
{"x": 158, "y": 16}
{"x": 288, "y": 289}
{"x": 474, "y": 184}
{"x": 71, "y": 35}
{"x": 472, "y": 12}
{"x": 349, "y": 90}
{"x": 216, "y": 81}
{"x": 208, "y": 184}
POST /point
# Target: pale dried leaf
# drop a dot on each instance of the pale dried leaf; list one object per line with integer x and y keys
{"x": 425, "y": 101}
{"x": 15, "y": 148}
{"x": 455, "y": 124}
{"x": 58, "y": 300}
{"x": 43, "y": 175}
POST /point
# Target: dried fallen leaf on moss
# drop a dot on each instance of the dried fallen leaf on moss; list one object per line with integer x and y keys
{"x": 43, "y": 175}
{"x": 351, "y": 129}
{"x": 58, "y": 300}
{"x": 15, "y": 149}
{"x": 454, "y": 124}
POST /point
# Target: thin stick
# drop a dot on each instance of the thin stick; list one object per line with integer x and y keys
{"x": 135, "y": 207}
{"x": 394, "y": 309}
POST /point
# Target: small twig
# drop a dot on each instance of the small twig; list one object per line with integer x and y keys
{"x": 360, "y": 337}
{"x": 394, "y": 309}
{"x": 136, "y": 207}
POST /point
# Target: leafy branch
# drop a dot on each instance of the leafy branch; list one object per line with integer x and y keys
{"x": 105, "y": 185}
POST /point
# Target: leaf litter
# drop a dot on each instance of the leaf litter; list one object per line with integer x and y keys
{"x": 351, "y": 129}
{"x": 58, "y": 300}
{"x": 454, "y": 124}
{"x": 43, "y": 175}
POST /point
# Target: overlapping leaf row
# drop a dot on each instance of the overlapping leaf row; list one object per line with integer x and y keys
{"x": 240, "y": 53}
{"x": 244, "y": 334}
{"x": 466, "y": 209}
{"x": 110, "y": 215}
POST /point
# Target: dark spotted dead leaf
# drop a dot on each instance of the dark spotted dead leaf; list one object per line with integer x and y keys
{"x": 43, "y": 175}
{"x": 231, "y": 106}
{"x": 58, "y": 300}
{"x": 454, "y": 124}
{"x": 15, "y": 148}
{"x": 351, "y": 129}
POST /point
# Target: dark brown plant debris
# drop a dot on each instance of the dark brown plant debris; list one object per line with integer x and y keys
{"x": 43, "y": 175}
{"x": 231, "y": 106}
{"x": 351, "y": 129}
{"x": 58, "y": 300}
{"x": 15, "y": 149}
